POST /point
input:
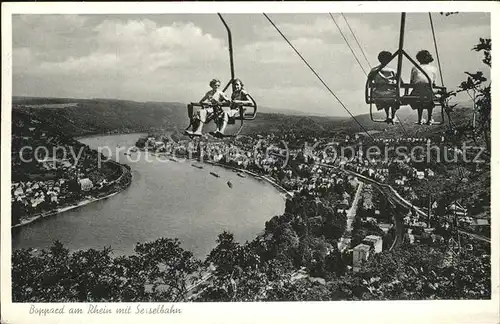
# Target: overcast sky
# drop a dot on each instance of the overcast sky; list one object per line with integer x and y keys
{"x": 173, "y": 57}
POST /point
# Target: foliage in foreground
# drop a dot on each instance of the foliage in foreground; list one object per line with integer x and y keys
{"x": 478, "y": 84}
{"x": 159, "y": 271}
{"x": 56, "y": 275}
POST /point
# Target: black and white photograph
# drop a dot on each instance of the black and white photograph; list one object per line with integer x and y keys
{"x": 162, "y": 161}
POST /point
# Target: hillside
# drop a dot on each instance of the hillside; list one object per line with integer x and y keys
{"x": 461, "y": 115}
{"x": 76, "y": 117}
{"x": 45, "y": 181}
{"x": 324, "y": 126}
{"x": 98, "y": 116}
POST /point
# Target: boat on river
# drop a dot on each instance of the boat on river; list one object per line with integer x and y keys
{"x": 241, "y": 175}
{"x": 197, "y": 166}
{"x": 229, "y": 184}
{"x": 215, "y": 174}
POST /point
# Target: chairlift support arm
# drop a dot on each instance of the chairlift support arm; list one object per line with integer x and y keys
{"x": 242, "y": 114}
{"x": 231, "y": 59}
{"x": 400, "y": 52}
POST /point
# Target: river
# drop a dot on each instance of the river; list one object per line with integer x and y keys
{"x": 166, "y": 199}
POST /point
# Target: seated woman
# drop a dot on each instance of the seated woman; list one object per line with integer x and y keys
{"x": 422, "y": 88}
{"x": 214, "y": 98}
{"x": 385, "y": 91}
{"x": 238, "y": 98}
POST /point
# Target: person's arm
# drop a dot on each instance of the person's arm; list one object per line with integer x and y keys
{"x": 369, "y": 80}
{"x": 224, "y": 97}
{"x": 413, "y": 75}
{"x": 393, "y": 78}
{"x": 205, "y": 97}
{"x": 246, "y": 101}
{"x": 434, "y": 76}
{"x": 369, "y": 77}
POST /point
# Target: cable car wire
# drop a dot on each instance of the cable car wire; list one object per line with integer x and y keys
{"x": 356, "y": 39}
{"x": 355, "y": 57}
{"x": 345, "y": 39}
{"x": 439, "y": 64}
{"x": 436, "y": 48}
{"x": 317, "y": 75}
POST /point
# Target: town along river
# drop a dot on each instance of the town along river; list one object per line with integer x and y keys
{"x": 166, "y": 199}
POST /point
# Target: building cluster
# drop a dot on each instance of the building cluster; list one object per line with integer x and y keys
{"x": 298, "y": 167}
{"x": 395, "y": 172}
{"x": 50, "y": 171}
{"x": 301, "y": 166}
{"x": 293, "y": 169}
{"x": 31, "y": 194}
{"x": 371, "y": 244}
{"x": 455, "y": 215}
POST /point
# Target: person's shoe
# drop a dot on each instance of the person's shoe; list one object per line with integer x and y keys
{"x": 197, "y": 134}
{"x": 430, "y": 122}
{"x": 219, "y": 134}
{"x": 418, "y": 123}
{"x": 188, "y": 132}
{"x": 212, "y": 133}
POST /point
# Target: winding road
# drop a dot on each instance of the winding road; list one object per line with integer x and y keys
{"x": 396, "y": 200}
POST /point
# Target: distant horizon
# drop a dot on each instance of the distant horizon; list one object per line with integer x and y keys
{"x": 172, "y": 57}
{"x": 283, "y": 111}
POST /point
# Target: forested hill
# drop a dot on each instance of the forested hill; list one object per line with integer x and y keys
{"x": 98, "y": 116}
{"x": 76, "y": 117}
{"x": 92, "y": 116}
{"x": 461, "y": 115}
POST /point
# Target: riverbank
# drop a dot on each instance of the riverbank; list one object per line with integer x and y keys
{"x": 92, "y": 135}
{"x": 119, "y": 184}
{"x": 255, "y": 175}
{"x": 287, "y": 193}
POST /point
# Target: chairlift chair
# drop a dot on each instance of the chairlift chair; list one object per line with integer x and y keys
{"x": 241, "y": 116}
{"x": 245, "y": 112}
{"x": 439, "y": 97}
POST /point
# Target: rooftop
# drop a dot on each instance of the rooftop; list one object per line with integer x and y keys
{"x": 373, "y": 237}
{"x": 362, "y": 247}
{"x": 480, "y": 222}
